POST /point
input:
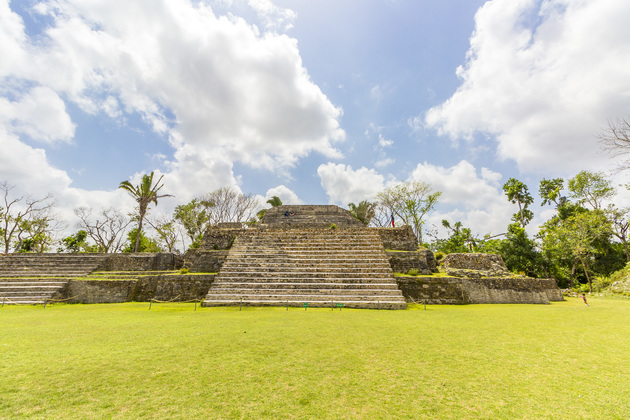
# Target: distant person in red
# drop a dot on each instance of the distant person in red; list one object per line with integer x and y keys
{"x": 584, "y": 299}
{"x": 393, "y": 221}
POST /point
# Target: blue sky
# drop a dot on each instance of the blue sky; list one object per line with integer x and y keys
{"x": 317, "y": 102}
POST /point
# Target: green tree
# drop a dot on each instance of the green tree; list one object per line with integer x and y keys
{"x": 518, "y": 193}
{"x": 144, "y": 194}
{"x": 75, "y": 243}
{"x": 410, "y": 201}
{"x": 364, "y": 212}
{"x": 519, "y": 252}
{"x": 274, "y": 201}
{"x": 145, "y": 244}
{"x": 550, "y": 191}
{"x": 591, "y": 189}
{"x": 581, "y": 237}
{"x": 620, "y": 226}
{"x": 193, "y": 216}
{"x": 167, "y": 232}
{"x": 25, "y": 222}
{"x": 460, "y": 239}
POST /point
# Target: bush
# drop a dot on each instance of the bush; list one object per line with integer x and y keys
{"x": 602, "y": 282}
{"x": 413, "y": 272}
{"x": 439, "y": 256}
{"x": 333, "y": 226}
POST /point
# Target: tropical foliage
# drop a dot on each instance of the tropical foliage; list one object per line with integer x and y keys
{"x": 144, "y": 194}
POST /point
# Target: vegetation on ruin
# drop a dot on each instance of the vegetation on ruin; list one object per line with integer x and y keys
{"x": 563, "y": 360}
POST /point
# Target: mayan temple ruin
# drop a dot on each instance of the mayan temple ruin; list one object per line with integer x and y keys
{"x": 318, "y": 255}
{"x": 309, "y": 255}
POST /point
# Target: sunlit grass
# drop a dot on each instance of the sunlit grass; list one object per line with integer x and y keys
{"x": 563, "y": 360}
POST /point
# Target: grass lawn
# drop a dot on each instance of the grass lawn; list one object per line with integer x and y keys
{"x": 558, "y": 361}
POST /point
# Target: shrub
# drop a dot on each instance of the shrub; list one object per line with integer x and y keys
{"x": 333, "y": 226}
{"x": 439, "y": 256}
{"x": 413, "y": 272}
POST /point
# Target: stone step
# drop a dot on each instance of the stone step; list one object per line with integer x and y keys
{"x": 289, "y": 265}
{"x": 303, "y": 297}
{"x": 303, "y": 269}
{"x": 31, "y": 274}
{"x": 280, "y": 257}
{"x": 313, "y": 243}
{"x": 351, "y": 304}
{"x": 20, "y": 287}
{"x": 304, "y": 279}
{"x": 35, "y": 294}
{"x": 23, "y": 301}
{"x": 48, "y": 279}
{"x": 301, "y": 291}
{"x": 303, "y": 285}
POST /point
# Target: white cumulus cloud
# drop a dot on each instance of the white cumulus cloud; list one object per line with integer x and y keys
{"x": 345, "y": 185}
{"x": 543, "y": 78}
{"x": 217, "y": 87}
{"x": 472, "y": 197}
{"x": 283, "y": 193}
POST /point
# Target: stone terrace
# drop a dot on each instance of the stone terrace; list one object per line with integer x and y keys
{"x": 35, "y": 278}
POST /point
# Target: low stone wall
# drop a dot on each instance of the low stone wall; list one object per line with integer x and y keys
{"x": 163, "y": 287}
{"x": 432, "y": 290}
{"x": 550, "y": 286}
{"x": 474, "y": 265}
{"x": 160, "y": 261}
{"x": 216, "y": 237}
{"x": 99, "y": 291}
{"x": 202, "y": 261}
{"x": 399, "y": 239}
{"x": 503, "y": 290}
{"x": 457, "y": 290}
{"x": 403, "y": 261}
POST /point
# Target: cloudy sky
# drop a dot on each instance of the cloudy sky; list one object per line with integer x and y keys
{"x": 314, "y": 101}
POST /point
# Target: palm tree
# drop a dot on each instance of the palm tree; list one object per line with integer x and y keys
{"x": 364, "y": 212}
{"x": 144, "y": 194}
{"x": 274, "y": 201}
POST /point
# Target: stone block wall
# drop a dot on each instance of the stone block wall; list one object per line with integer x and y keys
{"x": 163, "y": 287}
{"x": 550, "y": 286}
{"x": 399, "y": 239}
{"x": 204, "y": 261}
{"x": 474, "y": 261}
{"x": 180, "y": 287}
{"x": 99, "y": 291}
{"x": 432, "y": 290}
{"x": 457, "y": 290}
{"x": 217, "y": 238}
{"x": 292, "y": 216}
{"x": 403, "y": 261}
{"x": 161, "y": 261}
{"x": 503, "y": 290}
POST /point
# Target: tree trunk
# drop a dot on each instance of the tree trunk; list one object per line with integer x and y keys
{"x": 590, "y": 285}
{"x": 135, "y": 247}
{"x": 572, "y": 274}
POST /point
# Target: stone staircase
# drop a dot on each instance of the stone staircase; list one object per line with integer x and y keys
{"x": 321, "y": 267}
{"x": 35, "y": 278}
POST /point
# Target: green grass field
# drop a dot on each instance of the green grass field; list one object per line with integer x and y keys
{"x": 559, "y": 361}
